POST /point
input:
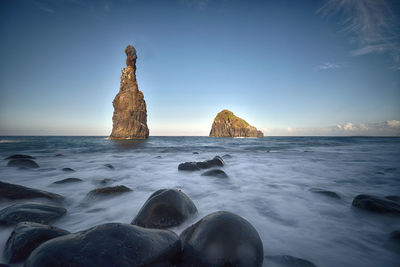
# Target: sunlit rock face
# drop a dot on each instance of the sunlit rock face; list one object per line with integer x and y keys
{"x": 226, "y": 124}
{"x": 130, "y": 113}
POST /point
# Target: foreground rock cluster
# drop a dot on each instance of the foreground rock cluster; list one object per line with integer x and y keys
{"x": 226, "y": 124}
{"x": 219, "y": 239}
{"x": 130, "y": 113}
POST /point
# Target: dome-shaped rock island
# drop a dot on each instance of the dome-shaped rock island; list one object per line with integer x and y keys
{"x": 226, "y": 124}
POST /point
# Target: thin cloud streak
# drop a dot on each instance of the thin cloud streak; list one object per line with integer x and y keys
{"x": 43, "y": 7}
{"x": 370, "y": 24}
{"x": 328, "y": 65}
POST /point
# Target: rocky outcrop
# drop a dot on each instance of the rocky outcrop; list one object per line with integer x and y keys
{"x": 130, "y": 114}
{"x": 226, "y": 124}
{"x": 377, "y": 205}
{"x": 14, "y": 191}
{"x": 217, "y": 161}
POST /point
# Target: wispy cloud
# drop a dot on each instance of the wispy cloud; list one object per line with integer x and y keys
{"x": 44, "y": 7}
{"x": 370, "y": 24}
{"x": 328, "y": 65}
{"x": 386, "y": 128}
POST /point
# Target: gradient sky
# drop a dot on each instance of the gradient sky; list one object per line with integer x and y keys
{"x": 287, "y": 67}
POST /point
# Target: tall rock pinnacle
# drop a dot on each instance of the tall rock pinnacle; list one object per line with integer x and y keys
{"x": 130, "y": 114}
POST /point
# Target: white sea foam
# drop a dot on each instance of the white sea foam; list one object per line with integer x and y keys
{"x": 270, "y": 190}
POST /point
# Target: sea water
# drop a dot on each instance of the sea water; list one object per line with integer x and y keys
{"x": 269, "y": 185}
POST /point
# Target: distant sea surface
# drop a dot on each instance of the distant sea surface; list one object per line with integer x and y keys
{"x": 269, "y": 185}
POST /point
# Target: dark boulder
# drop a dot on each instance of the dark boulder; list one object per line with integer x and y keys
{"x": 13, "y": 191}
{"x": 59, "y": 155}
{"x": 108, "y": 191}
{"x": 23, "y": 163}
{"x": 111, "y": 167}
{"x": 286, "y": 261}
{"x": 393, "y": 243}
{"x": 216, "y": 173}
{"x": 221, "y": 239}
{"x": 112, "y": 244}
{"x": 67, "y": 170}
{"x": 217, "y": 161}
{"x": 20, "y": 156}
{"x": 27, "y": 236}
{"x": 68, "y": 180}
{"x": 31, "y": 212}
{"x": 165, "y": 208}
{"x": 325, "y": 192}
{"x": 377, "y": 204}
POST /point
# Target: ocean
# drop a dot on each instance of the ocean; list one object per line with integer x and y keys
{"x": 269, "y": 185}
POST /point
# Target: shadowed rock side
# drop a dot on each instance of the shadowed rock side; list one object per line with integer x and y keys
{"x": 165, "y": 208}
{"x": 221, "y": 239}
{"x": 112, "y": 244}
{"x": 226, "y": 124}
{"x": 130, "y": 114}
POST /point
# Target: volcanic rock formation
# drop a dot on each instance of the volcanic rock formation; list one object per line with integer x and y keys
{"x": 226, "y": 124}
{"x": 130, "y": 114}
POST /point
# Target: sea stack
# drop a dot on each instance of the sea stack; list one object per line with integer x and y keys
{"x": 226, "y": 124}
{"x": 130, "y": 114}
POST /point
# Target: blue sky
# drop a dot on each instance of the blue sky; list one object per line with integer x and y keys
{"x": 287, "y": 67}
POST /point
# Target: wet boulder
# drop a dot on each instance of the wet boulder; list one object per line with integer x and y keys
{"x": 165, "y": 208}
{"x": 393, "y": 243}
{"x": 221, "y": 239}
{"x": 377, "y": 205}
{"x": 13, "y": 191}
{"x": 286, "y": 261}
{"x": 23, "y": 163}
{"x": 108, "y": 191}
{"x": 68, "y": 180}
{"x": 111, "y": 167}
{"x": 27, "y": 236}
{"x": 216, "y": 173}
{"x": 31, "y": 212}
{"x": 217, "y": 161}
{"x": 67, "y": 170}
{"x": 112, "y": 244}
{"x": 394, "y": 198}
{"x": 325, "y": 192}
{"x": 20, "y": 156}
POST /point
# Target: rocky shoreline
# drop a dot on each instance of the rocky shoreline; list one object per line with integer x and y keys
{"x": 221, "y": 238}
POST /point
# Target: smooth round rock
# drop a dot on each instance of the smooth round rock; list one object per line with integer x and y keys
{"x": 108, "y": 191}
{"x": 13, "y": 191}
{"x": 20, "y": 156}
{"x": 286, "y": 261}
{"x": 325, "y": 192}
{"x": 216, "y": 173}
{"x": 67, "y": 170}
{"x": 68, "y": 180}
{"x": 377, "y": 205}
{"x": 222, "y": 239}
{"x": 31, "y": 212}
{"x": 112, "y": 244}
{"x": 27, "y": 236}
{"x": 165, "y": 208}
{"x": 111, "y": 167}
{"x": 23, "y": 163}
